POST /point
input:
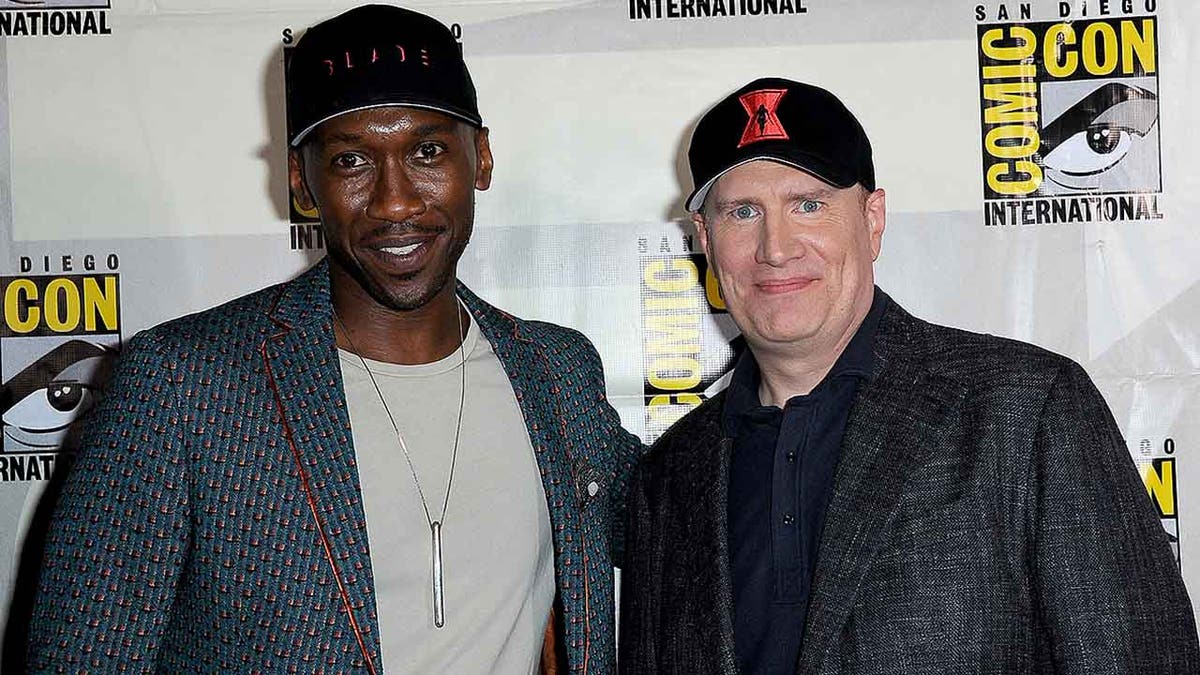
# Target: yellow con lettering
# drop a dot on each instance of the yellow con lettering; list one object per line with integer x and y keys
{"x": 21, "y": 294}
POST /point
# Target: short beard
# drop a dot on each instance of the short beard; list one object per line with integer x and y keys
{"x": 381, "y": 295}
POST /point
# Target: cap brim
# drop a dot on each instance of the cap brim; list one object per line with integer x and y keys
{"x": 696, "y": 200}
{"x": 473, "y": 121}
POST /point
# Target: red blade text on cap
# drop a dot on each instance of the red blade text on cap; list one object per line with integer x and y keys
{"x": 764, "y": 122}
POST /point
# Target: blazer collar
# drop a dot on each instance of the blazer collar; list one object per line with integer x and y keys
{"x": 896, "y": 418}
{"x": 301, "y": 369}
{"x": 303, "y": 314}
{"x": 535, "y": 386}
{"x": 302, "y": 360}
{"x": 534, "y": 383}
{"x": 305, "y": 300}
{"x": 711, "y": 467}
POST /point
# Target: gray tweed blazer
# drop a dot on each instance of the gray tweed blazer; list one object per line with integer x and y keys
{"x": 986, "y": 518}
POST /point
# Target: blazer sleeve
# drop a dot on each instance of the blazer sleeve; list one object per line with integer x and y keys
{"x": 1107, "y": 588}
{"x": 119, "y": 534}
{"x": 621, "y": 452}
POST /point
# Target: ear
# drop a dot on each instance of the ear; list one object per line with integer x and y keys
{"x": 483, "y": 156}
{"x": 875, "y": 210}
{"x": 300, "y": 191}
{"x": 702, "y": 232}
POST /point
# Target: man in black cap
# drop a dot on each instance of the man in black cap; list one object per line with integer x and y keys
{"x": 367, "y": 466}
{"x": 873, "y": 493}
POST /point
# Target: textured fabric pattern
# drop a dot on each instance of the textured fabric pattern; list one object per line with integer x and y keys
{"x": 986, "y": 518}
{"x": 217, "y": 483}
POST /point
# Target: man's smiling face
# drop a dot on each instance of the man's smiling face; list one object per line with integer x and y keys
{"x": 395, "y": 187}
{"x": 793, "y": 254}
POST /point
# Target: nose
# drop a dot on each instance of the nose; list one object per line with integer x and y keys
{"x": 394, "y": 197}
{"x": 776, "y": 242}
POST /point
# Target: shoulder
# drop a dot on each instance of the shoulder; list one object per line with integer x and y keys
{"x": 571, "y": 359}
{"x": 556, "y": 338}
{"x": 237, "y": 324}
{"x": 550, "y": 340}
{"x": 976, "y": 361}
{"x": 697, "y": 431}
{"x": 682, "y": 465}
{"x": 978, "y": 356}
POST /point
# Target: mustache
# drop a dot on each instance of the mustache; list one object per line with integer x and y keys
{"x": 390, "y": 229}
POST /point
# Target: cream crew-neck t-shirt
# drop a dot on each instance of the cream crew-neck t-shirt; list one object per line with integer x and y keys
{"x": 498, "y": 554}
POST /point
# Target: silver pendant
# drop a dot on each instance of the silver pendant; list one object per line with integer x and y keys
{"x": 439, "y": 594}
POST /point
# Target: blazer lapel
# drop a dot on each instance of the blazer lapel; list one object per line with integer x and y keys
{"x": 535, "y": 387}
{"x": 714, "y": 475}
{"x": 302, "y": 370}
{"x": 894, "y": 420}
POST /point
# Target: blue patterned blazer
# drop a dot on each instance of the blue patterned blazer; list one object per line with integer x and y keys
{"x": 213, "y": 520}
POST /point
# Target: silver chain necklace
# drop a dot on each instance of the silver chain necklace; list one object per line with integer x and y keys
{"x": 435, "y": 526}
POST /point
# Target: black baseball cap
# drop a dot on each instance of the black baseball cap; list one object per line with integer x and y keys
{"x": 789, "y": 122}
{"x": 373, "y": 56}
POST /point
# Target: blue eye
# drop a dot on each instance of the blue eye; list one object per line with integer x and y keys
{"x": 810, "y": 206}
{"x": 744, "y": 212}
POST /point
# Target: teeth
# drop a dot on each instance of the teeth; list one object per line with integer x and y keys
{"x": 401, "y": 250}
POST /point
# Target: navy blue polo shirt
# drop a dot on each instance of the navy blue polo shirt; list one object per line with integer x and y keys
{"x": 780, "y": 481}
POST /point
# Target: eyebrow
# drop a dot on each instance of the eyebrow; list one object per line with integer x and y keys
{"x": 819, "y": 193}
{"x": 727, "y": 203}
{"x": 816, "y": 194}
{"x": 340, "y": 137}
{"x": 434, "y": 128}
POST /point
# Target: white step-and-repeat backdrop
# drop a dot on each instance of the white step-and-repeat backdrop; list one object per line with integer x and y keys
{"x": 1040, "y": 161}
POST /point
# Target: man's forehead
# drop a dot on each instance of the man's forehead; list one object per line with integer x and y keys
{"x": 386, "y": 120}
{"x": 769, "y": 174}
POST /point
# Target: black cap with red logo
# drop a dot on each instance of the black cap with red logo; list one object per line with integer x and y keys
{"x": 372, "y": 56}
{"x": 789, "y": 122}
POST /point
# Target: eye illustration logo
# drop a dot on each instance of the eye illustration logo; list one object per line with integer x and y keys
{"x": 1069, "y": 113}
{"x": 39, "y": 405}
{"x": 1086, "y": 147}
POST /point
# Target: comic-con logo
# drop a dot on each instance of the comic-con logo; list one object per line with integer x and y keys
{"x": 1069, "y": 113}
{"x": 689, "y": 342}
{"x": 1159, "y": 476}
{"x": 57, "y": 341}
{"x": 33, "y": 18}
{"x": 640, "y": 10}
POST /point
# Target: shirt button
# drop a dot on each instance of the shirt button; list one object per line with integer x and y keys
{"x": 791, "y": 456}
{"x": 788, "y": 519}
